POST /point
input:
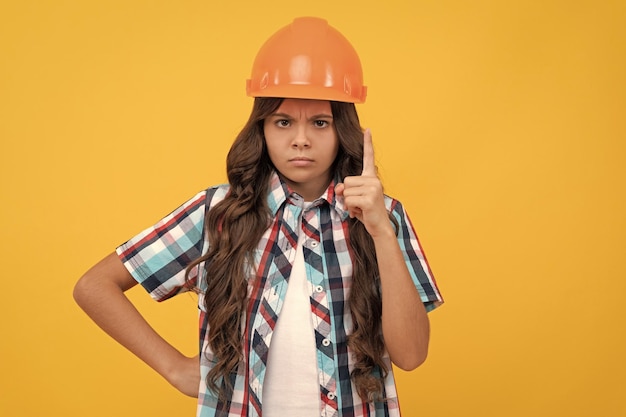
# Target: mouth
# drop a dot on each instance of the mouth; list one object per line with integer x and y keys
{"x": 301, "y": 161}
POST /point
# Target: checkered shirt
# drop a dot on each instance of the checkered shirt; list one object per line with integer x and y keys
{"x": 158, "y": 256}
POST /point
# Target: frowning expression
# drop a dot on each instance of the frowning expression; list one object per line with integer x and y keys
{"x": 302, "y": 144}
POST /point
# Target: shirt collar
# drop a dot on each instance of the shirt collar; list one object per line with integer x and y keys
{"x": 279, "y": 193}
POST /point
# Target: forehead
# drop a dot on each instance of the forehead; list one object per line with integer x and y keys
{"x": 296, "y": 106}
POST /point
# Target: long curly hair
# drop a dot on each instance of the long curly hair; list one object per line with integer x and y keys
{"x": 236, "y": 224}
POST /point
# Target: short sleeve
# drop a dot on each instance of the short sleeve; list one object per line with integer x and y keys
{"x": 158, "y": 256}
{"x": 415, "y": 258}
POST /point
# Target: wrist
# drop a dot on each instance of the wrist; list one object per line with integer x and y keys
{"x": 383, "y": 233}
{"x": 172, "y": 366}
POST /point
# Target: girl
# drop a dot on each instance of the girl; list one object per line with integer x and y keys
{"x": 311, "y": 282}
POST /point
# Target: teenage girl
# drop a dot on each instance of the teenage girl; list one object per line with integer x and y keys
{"x": 311, "y": 282}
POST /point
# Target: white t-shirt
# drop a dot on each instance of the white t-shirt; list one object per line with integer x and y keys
{"x": 291, "y": 387}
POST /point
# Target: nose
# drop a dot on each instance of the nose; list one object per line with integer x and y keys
{"x": 300, "y": 139}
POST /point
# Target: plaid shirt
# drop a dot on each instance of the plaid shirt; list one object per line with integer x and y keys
{"x": 158, "y": 256}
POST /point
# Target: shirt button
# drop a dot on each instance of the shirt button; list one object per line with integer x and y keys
{"x": 314, "y": 244}
{"x": 326, "y": 342}
{"x": 331, "y": 395}
{"x": 319, "y": 288}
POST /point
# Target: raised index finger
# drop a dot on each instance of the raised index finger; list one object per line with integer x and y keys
{"x": 369, "y": 169}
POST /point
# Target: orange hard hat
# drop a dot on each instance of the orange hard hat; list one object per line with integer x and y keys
{"x": 308, "y": 59}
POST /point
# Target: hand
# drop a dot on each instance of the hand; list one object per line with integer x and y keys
{"x": 185, "y": 377}
{"x": 363, "y": 194}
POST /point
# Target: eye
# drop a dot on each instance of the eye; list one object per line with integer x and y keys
{"x": 320, "y": 123}
{"x": 282, "y": 123}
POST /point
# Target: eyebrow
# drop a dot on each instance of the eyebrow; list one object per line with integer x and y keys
{"x": 314, "y": 117}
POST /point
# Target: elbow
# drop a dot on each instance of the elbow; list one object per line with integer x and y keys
{"x": 81, "y": 291}
{"x": 87, "y": 290}
{"x": 410, "y": 358}
{"x": 108, "y": 278}
{"x": 411, "y": 362}
{"x": 408, "y": 353}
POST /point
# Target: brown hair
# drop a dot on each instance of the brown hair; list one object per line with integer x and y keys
{"x": 236, "y": 224}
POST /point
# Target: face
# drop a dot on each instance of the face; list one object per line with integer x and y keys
{"x": 302, "y": 144}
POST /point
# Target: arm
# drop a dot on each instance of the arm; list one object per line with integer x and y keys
{"x": 100, "y": 293}
{"x": 406, "y": 327}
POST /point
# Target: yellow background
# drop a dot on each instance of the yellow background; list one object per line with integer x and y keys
{"x": 499, "y": 124}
